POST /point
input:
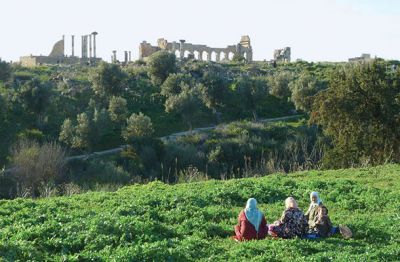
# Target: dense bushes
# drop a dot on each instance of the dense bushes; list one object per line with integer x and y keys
{"x": 35, "y": 166}
{"x": 360, "y": 112}
{"x": 92, "y": 109}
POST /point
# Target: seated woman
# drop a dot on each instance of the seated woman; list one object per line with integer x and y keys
{"x": 319, "y": 222}
{"x": 317, "y": 216}
{"x": 252, "y": 223}
{"x": 292, "y": 223}
{"x": 312, "y": 212}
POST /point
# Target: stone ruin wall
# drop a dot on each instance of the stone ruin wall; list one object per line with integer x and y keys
{"x": 200, "y": 52}
{"x": 282, "y": 55}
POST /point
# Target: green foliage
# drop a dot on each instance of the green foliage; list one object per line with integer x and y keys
{"x": 250, "y": 91}
{"x": 5, "y": 71}
{"x": 67, "y": 132}
{"x": 215, "y": 91}
{"x": 118, "y": 109}
{"x": 82, "y": 137}
{"x": 36, "y": 164}
{"x": 360, "y": 112}
{"x": 192, "y": 222}
{"x": 108, "y": 80}
{"x": 138, "y": 126}
{"x": 304, "y": 90}
{"x": 186, "y": 103}
{"x": 35, "y": 95}
{"x": 96, "y": 172}
{"x": 160, "y": 65}
{"x": 279, "y": 84}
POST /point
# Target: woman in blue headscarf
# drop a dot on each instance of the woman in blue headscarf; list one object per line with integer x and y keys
{"x": 251, "y": 223}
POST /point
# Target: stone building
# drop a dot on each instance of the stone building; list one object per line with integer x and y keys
{"x": 200, "y": 52}
{"x": 282, "y": 55}
{"x": 57, "y": 54}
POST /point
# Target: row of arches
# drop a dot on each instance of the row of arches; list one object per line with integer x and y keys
{"x": 208, "y": 56}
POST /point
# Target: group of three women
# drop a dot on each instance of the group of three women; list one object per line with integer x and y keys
{"x": 293, "y": 222}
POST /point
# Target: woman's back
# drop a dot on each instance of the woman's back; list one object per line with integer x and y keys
{"x": 294, "y": 223}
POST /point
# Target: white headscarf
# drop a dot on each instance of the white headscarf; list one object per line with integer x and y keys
{"x": 252, "y": 213}
{"x": 290, "y": 202}
{"x": 314, "y": 194}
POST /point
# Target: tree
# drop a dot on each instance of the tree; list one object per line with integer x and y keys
{"x": 279, "y": 84}
{"x": 360, "y": 112}
{"x": 108, "y": 79}
{"x": 5, "y": 71}
{"x": 215, "y": 89}
{"x": 82, "y": 138}
{"x": 67, "y": 132}
{"x": 303, "y": 91}
{"x": 173, "y": 84}
{"x": 250, "y": 91}
{"x": 160, "y": 65}
{"x": 102, "y": 133}
{"x": 118, "y": 109}
{"x": 138, "y": 126}
{"x": 35, "y": 95}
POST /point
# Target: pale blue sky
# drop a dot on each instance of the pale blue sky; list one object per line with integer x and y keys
{"x": 317, "y": 30}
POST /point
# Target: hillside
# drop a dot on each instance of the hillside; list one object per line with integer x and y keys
{"x": 194, "y": 221}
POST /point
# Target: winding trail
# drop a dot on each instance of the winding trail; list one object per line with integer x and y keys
{"x": 171, "y": 137}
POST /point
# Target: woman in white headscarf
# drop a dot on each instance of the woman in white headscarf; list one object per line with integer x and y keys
{"x": 251, "y": 223}
{"x": 312, "y": 212}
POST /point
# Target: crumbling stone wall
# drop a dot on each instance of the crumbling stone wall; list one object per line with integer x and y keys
{"x": 282, "y": 55}
{"x": 200, "y": 52}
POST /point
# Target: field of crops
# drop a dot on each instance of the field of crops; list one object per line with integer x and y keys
{"x": 159, "y": 222}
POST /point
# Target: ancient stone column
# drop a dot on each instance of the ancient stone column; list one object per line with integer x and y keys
{"x": 181, "y": 49}
{"x": 114, "y": 60}
{"x": 217, "y": 58}
{"x": 208, "y": 56}
{"x": 82, "y": 47}
{"x": 200, "y": 56}
{"x": 129, "y": 59}
{"x": 73, "y": 45}
{"x": 90, "y": 46}
{"x": 126, "y": 57}
{"x": 94, "y": 44}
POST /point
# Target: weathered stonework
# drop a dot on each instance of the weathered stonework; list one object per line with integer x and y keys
{"x": 57, "y": 54}
{"x": 199, "y": 52}
{"x": 282, "y": 55}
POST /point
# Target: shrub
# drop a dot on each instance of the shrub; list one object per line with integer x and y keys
{"x": 138, "y": 126}
{"x": 34, "y": 165}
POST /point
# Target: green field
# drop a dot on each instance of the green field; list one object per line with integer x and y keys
{"x": 184, "y": 222}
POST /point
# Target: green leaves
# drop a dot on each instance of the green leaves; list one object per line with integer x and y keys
{"x": 194, "y": 221}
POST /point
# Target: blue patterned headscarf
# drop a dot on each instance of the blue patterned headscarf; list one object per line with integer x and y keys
{"x": 252, "y": 213}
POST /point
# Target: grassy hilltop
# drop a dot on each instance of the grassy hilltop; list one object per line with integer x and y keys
{"x": 194, "y": 221}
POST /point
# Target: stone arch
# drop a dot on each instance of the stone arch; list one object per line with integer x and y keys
{"x": 213, "y": 56}
{"x": 205, "y": 55}
{"x": 245, "y": 55}
{"x": 230, "y": 56}
{"x": 186, "y": 53}
{"x": 177, "y": 53}
{"x": 222, "y": 55}
{"x": 197, "y": 55}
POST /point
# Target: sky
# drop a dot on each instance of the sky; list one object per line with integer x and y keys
{"x": 316, "y": 30}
